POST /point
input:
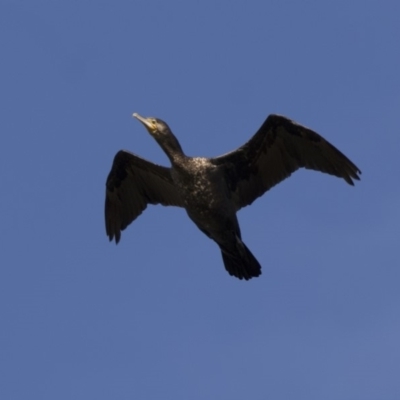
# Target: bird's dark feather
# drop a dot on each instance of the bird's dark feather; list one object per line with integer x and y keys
{"x": 279, "y": 148}
{"x": 132, "y": 184}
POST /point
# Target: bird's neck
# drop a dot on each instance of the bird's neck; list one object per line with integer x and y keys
{"x": 172, "y": 149}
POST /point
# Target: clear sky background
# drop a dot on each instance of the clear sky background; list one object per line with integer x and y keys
{"x": 158, "y": 317}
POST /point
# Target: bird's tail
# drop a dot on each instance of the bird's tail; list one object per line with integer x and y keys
{"x": 240, "y": 262}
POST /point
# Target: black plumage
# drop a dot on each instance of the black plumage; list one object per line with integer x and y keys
{"x": 212, "y": 190}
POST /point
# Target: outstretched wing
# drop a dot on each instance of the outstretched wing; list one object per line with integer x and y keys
{"x": 279, "y": 148}
{"x": 132, "y": 184}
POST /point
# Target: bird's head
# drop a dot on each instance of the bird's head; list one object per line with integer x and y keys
{"x": 156, "y": 127}
{"x": 163, "y": 135}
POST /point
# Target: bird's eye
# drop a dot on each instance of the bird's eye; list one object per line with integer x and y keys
{"x": 154, "y": 124}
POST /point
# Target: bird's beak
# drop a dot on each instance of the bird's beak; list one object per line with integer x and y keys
{"x": 144, "y": 121}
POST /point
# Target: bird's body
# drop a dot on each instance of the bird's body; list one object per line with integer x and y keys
{"x": 205, "y": 196}
{"x": 212, "y": 190}
{"x": 196, "y": 181}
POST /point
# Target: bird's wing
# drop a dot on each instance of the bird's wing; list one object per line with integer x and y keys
{"x": 132, "y": 184}
{"x": 279, "y": 148}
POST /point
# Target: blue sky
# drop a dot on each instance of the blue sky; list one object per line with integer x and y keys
{"x": 158, "y": 317}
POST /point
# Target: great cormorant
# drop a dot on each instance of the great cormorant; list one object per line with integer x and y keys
{"x": 212, "y": 190}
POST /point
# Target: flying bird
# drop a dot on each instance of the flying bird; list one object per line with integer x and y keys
{"x": 212, "y": 190}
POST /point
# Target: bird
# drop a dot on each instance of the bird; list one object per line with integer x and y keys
{"x": 212, "y": 190}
